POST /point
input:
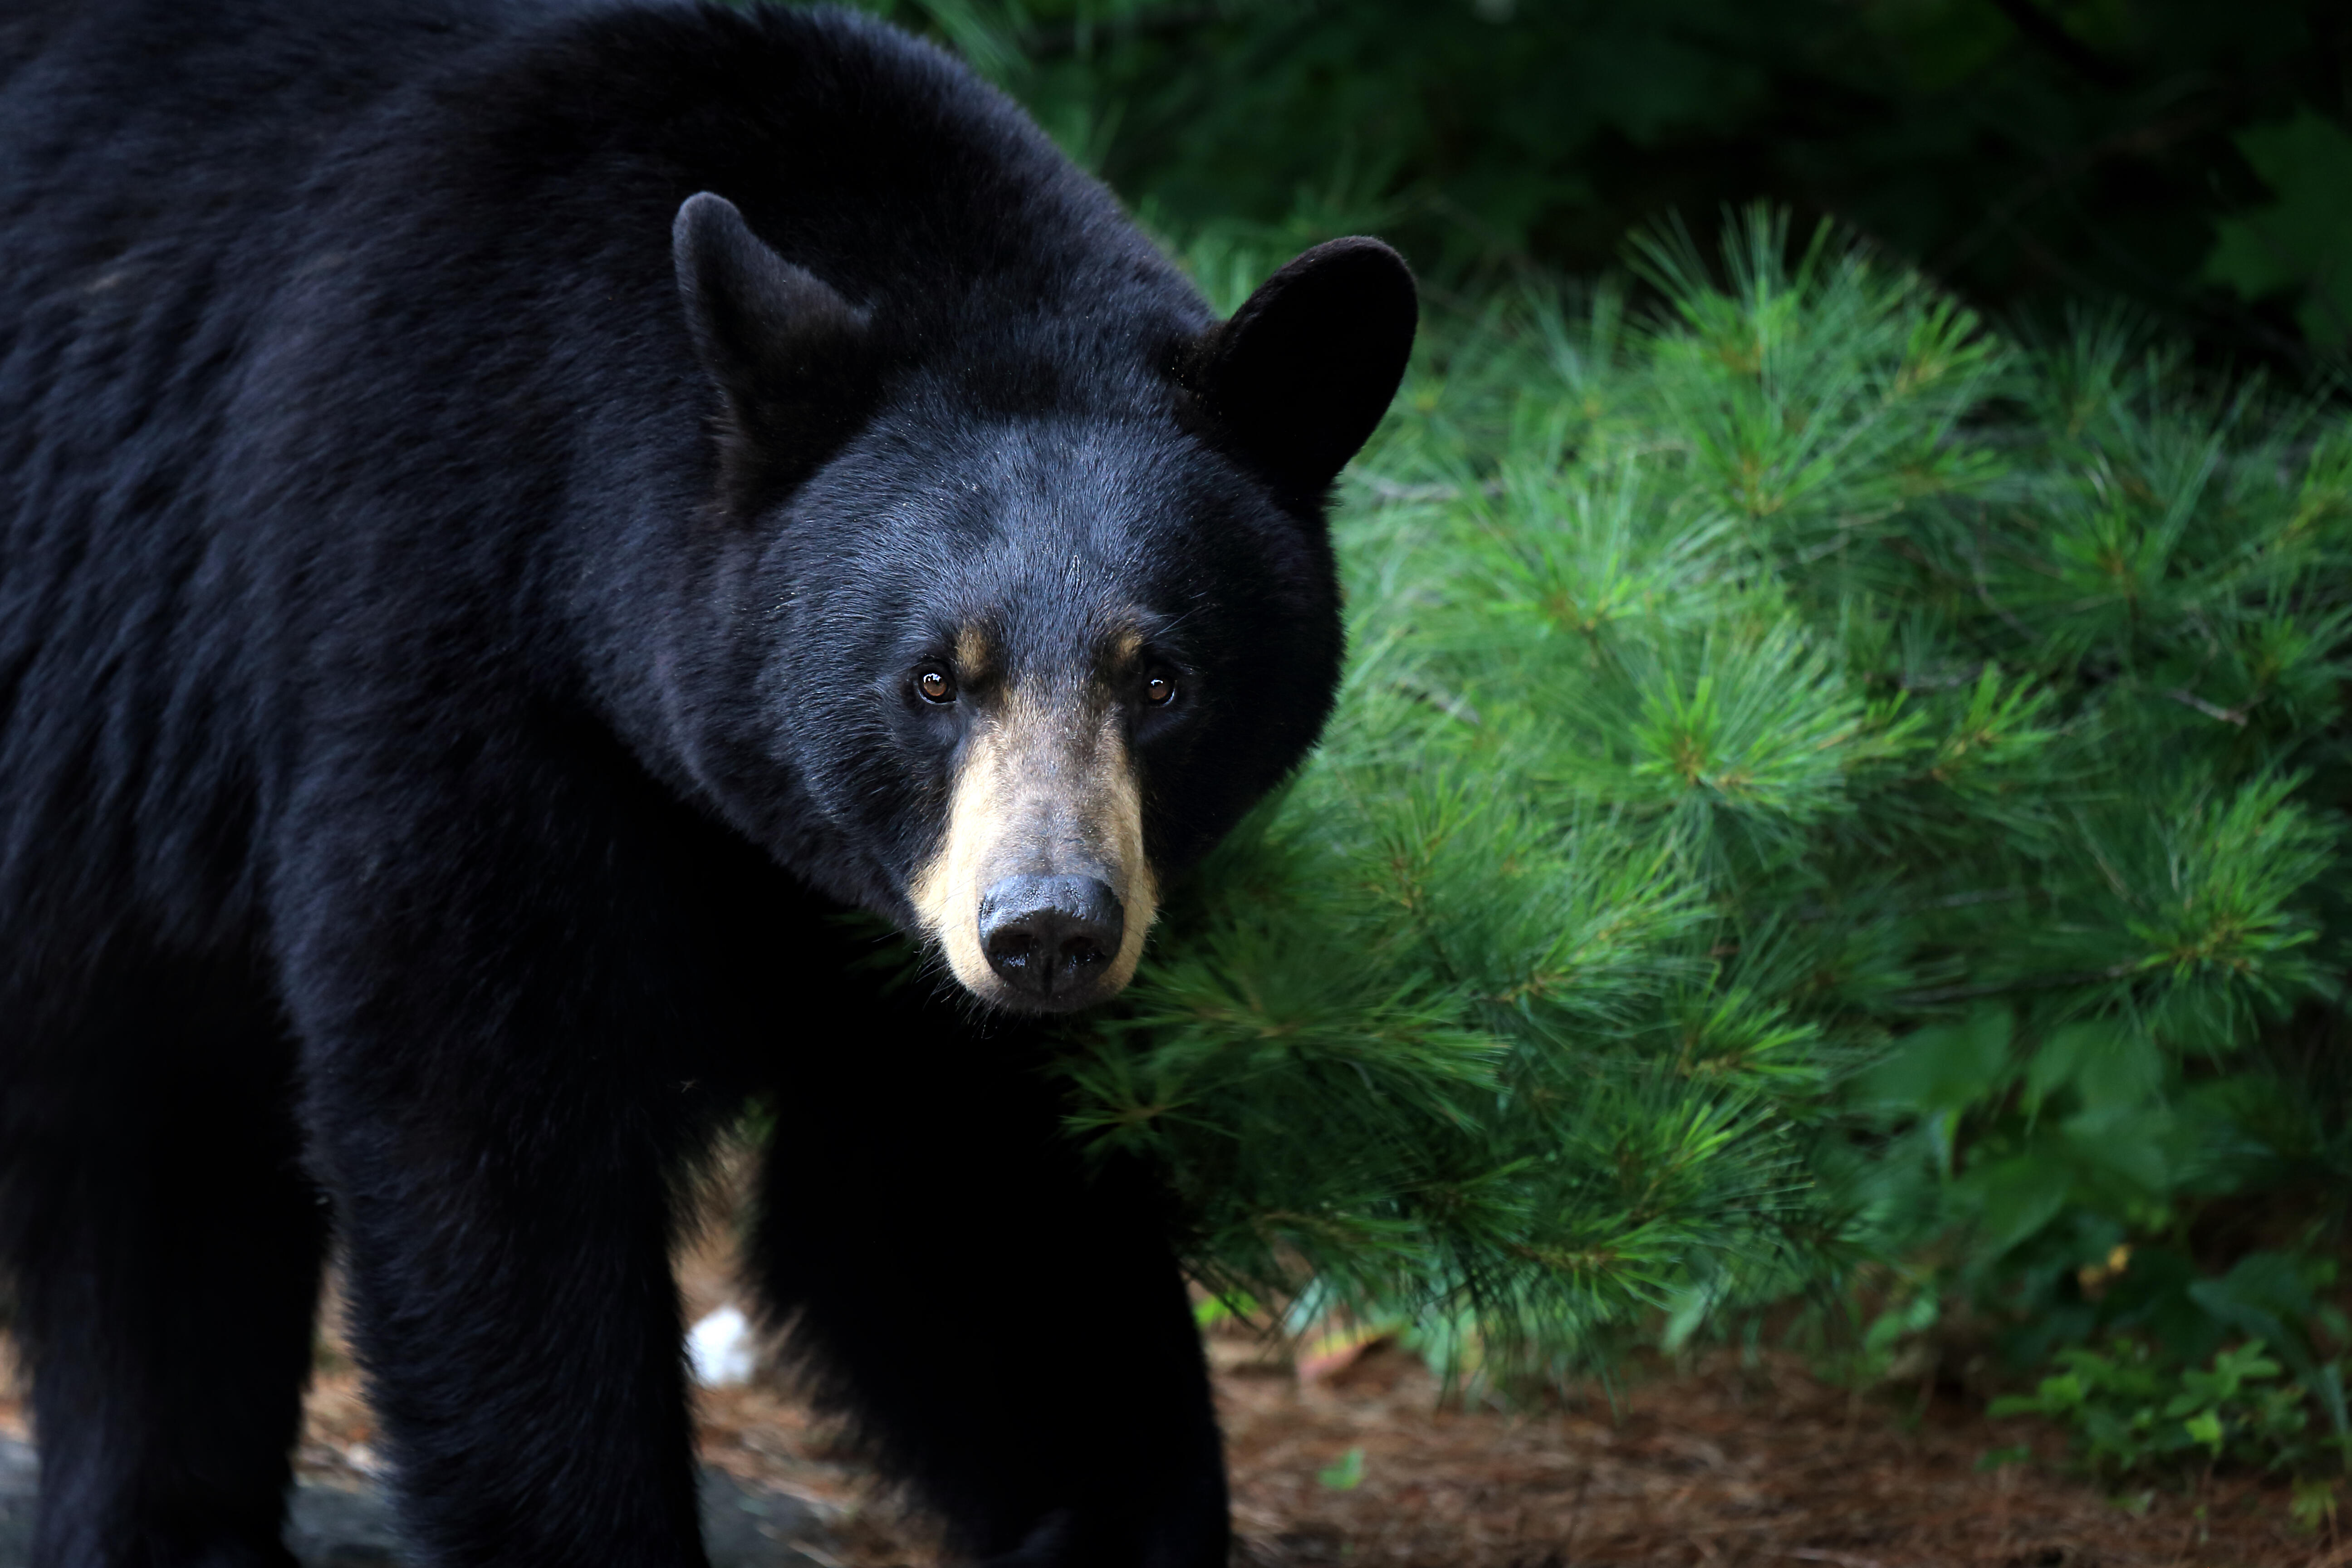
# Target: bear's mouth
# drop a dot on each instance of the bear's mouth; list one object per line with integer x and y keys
{"x": 1039, "y": 893}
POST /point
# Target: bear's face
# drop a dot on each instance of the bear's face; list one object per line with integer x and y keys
{"x": 1037, "y": 669}
{"x": 1025, "y": 668}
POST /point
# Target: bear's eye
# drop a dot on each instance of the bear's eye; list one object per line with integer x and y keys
{"x": 937, "y": 686}
{"x": 1160, "y": 691}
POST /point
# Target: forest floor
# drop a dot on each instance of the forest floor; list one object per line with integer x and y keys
{"x": 1727, "y": 1460}
{"x": 1724, "y": 1464}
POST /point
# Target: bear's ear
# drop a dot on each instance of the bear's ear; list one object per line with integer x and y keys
{"x": 788, "y": 353}
{"x": 1304, "y": 371}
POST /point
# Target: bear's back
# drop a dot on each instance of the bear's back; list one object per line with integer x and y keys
{"x": 150, "y": 151}
{"x": 280, "y": 279}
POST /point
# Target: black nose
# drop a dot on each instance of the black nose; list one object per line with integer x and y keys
{"x": 1050, "y": 937}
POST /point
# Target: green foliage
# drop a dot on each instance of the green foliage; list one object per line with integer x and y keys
{"x": 1819, "y": 789}
{"x": 1347, "y": 1474}
{"x": 2030, "y": 151}
{"x": 2301, "y": 243}
{"x": 2129, "y": 1415}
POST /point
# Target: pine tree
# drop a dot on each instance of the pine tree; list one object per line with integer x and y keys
{"x": 1812, "y": 776}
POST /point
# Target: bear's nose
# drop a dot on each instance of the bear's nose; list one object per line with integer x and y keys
{"x": 1050, "y": 937}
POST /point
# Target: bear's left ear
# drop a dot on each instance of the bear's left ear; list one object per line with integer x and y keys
{"x": 1301, "y": 374}
{"x": 789, "y": 355}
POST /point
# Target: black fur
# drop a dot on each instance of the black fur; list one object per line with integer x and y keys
{"x": 455, "y": 603}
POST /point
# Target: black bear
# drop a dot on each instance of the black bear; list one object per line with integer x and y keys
{"x": 514, "y": 515}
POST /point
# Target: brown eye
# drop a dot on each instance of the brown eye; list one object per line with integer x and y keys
{"x": 1160, "y": 691}
{"x": 935, "y": 685}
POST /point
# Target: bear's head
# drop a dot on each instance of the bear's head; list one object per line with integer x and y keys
{"x": 1023, "y": 627}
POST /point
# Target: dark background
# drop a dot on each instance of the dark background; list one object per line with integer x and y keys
{"x": 2187, "y": 158}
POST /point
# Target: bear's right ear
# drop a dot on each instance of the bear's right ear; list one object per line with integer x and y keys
{"x": 1296, "y": 380}
{"x": 787, "y": 352}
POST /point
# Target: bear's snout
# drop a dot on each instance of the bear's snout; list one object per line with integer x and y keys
{"x": 1052, "y": 939}
{"x": 1038, "y": 890}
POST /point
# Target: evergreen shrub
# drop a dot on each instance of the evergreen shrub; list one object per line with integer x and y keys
{"x": 1824, "y": 800}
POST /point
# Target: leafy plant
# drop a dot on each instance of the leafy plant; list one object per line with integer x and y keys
{"x": 2131, "y": 1414}
{"x": 2301, "y": 242}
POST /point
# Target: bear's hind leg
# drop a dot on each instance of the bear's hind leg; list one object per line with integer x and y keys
{"x": 165, "y": 1247}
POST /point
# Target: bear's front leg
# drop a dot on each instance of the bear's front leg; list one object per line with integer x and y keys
{"x": 508, "y": 1279}
{"x": 507, "y": 1018}
{"x": 1003, "y": 1319}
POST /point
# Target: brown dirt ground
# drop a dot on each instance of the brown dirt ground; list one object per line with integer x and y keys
{"x": 1724, "y": 1462}
{"x": 1727, "y": 1464}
